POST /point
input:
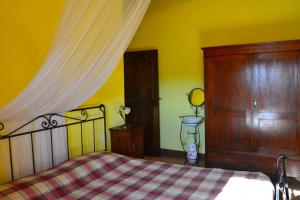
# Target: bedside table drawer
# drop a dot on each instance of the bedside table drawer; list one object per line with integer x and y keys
{"x": 120, "y": 142}
{"x": 127, "y": 141}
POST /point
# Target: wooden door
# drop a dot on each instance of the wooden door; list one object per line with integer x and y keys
{"x": 141, "y": 95}
{"x": 276, "y": 102}
{"x": 228, "y": 113}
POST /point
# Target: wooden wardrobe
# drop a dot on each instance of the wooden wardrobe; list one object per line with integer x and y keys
{"x": 252, "y": 106}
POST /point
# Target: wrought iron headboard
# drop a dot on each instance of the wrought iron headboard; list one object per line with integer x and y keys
{"x": 49, "y": 123}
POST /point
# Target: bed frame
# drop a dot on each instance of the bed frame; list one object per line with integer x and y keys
{"x": 49, "y": 123}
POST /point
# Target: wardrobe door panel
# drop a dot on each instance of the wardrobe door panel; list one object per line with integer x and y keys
{"x": 275, "y": 106}
{"x": 227, "y": 132}
{"x": 285, "y": 132}
{"x": 227, "y": 102}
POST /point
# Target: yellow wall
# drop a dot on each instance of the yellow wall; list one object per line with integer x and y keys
{"x": 112, "y": 96}
{"x": 27, "y": 28}
{"x": 179, "y": 28}
{"x": 26, "y": 32}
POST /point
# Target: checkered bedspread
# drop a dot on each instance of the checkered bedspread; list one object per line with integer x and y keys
{"x": 112, "y": 176}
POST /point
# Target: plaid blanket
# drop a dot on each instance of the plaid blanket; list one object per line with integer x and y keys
{"x": 112, "y": 176}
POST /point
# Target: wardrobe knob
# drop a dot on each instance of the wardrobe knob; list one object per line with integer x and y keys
{"x": 254, "y": 102}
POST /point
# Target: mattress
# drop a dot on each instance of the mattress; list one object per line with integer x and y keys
{"x": 112, "y": 176}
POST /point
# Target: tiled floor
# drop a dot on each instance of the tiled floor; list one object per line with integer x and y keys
{"x": 294, "y": 184}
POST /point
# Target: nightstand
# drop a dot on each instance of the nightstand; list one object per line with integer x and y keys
{"x": 128, "y": 141}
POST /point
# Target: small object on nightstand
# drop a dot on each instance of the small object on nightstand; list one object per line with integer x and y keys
{"x": 128, "y": 141}
{"x": 124, "y": 111}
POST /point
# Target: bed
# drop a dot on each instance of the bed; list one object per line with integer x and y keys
{"x": 112, "y": 176}
{"x": 105, "y": 175}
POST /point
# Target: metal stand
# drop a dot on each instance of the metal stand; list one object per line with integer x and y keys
{"x": 281, "y": 187}
{"x": 193, "y": 122}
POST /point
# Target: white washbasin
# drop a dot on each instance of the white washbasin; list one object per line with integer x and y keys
{"x": 191, "y": 120}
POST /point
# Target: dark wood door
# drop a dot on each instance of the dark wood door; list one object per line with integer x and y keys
{"x": 141, "y": 95}
{"x": 227, "y": 104}
{"x": 276, "y": 102}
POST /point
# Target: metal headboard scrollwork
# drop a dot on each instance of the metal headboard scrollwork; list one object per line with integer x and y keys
{"x": 49, "y": 122}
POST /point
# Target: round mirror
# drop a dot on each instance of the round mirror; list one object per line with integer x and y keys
{"x": 196, "y": 97}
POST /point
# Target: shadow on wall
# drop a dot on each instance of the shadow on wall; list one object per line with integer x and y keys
{"x": 251, "y": 34}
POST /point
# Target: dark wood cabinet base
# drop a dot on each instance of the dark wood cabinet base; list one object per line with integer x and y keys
{"x": 249, "y": 162}
{"x": 127, "y": 141}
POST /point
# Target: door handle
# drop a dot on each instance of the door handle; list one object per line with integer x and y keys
{"x": 254, "y": 102}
